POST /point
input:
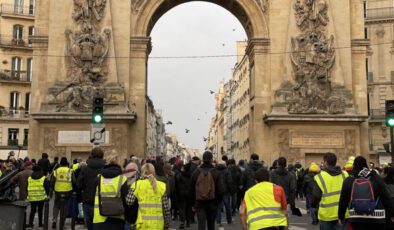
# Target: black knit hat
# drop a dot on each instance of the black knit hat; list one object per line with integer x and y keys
{"x": 207, "y": 156}
{"x": 36, "y": 168}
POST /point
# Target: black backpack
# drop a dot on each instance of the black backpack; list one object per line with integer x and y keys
{"x": 363, "y": 199}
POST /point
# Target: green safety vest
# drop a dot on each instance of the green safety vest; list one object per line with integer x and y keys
{"x": 331, "y": 187}
{"x": 262, "y": 210}
{"x": 150, "y": 204}
{"x": 36, "y": 189}
{"x": 63, "y": 177}
{"x": 109, "y": 188}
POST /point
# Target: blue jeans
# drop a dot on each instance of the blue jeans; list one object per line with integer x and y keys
{"x": 88, "y": 211}
{"x": 226, "y": 201}
{"x": 331, "y": 225}
{"x": 311, "y": 210}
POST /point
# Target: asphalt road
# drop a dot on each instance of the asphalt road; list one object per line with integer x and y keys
{"x": 295, "y": 222}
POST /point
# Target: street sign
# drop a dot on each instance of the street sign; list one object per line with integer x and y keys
{"x": 97, "y": 134}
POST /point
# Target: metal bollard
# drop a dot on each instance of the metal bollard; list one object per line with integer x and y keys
{"x": 46, "y": 215}
{"x": 74, "y": 211}
{"x": 62, "y": 212}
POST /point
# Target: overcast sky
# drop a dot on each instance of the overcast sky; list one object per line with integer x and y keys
{"x": 180, "y": 87}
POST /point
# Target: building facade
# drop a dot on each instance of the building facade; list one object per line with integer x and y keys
{"x": 16, "y": 73}
{"x": 379, "y": 29}
{"x": 155, "y": 131}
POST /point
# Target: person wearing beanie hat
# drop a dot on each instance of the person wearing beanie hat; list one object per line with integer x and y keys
{"x": 38, "y": 190}
{"x": 349, "y": 165}
{"x": 20, "y": 179}
{"x": 206, "y": 209}
{"x": 307, "y": 186}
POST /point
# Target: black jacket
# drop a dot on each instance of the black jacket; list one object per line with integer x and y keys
{"x": 219, "y": 186}
{"x": 228, "y": 181}
{"x": 287, "y": 181}
{"x": 86, "y": 181}
{"x": 309, "y": 182}
{"x": 45, "y": 165}
{"x": 108, "y": 172}
{"x": 183, "y": 182}
{"x": 316, "y": 192}
{"x": 379, "y": 189}
{"x": 247, "y": 180}
{"x": 236, "y": 175}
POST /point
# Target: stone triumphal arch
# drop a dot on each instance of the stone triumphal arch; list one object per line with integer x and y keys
{"x": 308, "y": 86}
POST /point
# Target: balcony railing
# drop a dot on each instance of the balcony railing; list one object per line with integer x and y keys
{"x": 13, "y": 42}
{"x": 17, "y": 10}
{"x": 15, "y": 75}
{"x": 380, "y": 13}
{"x": 14, "y": 113}
{"x": 13, "y": 142}
{"x": 377, "y": 114}
{"x": 25, "y": 142}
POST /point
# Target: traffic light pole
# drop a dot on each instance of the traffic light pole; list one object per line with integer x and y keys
{"x": 392, "y": 143}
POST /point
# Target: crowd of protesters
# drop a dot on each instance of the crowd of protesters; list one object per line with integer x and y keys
{"x": 151, "y": 193}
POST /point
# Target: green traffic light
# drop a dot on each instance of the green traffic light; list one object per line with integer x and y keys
{"x": 98, "y": 118}
{"x": 390, "y": 121}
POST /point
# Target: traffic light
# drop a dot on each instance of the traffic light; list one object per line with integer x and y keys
{"x": 390, "y": 113}
{"x": 98, "y": 110}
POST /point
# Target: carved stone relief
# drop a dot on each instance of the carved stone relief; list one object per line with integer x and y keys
{"x": 87, "y": 64}
{"x": 137, "y": 5}
{"x": 264, "y": 4}
{"x": 313, "y": 57}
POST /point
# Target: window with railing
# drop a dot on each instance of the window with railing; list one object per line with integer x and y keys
{"x": 13, "y": 137}
{"x": 16, "y": 67}
{"x": 14, "y": 102}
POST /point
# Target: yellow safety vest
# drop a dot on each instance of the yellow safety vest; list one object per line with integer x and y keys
{"x": 110, "y": 187}
{"x": 150, "y": 211}
{"x": 63, "y": 177}
{"x": 36, "y": 189}
{"x": 331, "y": 187}
{"x": 75, "y": 166}
{"x": 262, "y": 210}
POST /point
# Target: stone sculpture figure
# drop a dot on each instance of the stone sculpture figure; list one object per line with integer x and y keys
{"x": 313, "y": 57}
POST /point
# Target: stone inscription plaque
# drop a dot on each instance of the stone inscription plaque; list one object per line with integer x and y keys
{"x": 308, "y": 139}
{"x": 77, "y": 137}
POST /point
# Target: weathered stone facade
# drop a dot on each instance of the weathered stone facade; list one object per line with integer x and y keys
{"x": 273, "y": 28}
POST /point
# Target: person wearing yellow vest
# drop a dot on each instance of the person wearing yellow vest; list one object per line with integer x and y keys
{"x": 154, "y": 209}
{"x": 327, "y": 191}
{"x": 76, "y": 164}
{"x": 264, "y": 205}
{"x": 62, "y": 183}
{"x": 112, "y": 184}
{"x": 37, "y": 189}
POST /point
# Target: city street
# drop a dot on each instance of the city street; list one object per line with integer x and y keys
{"x": 296, "y": 223}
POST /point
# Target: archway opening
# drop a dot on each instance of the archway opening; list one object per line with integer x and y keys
{"x": 194, "y": 49}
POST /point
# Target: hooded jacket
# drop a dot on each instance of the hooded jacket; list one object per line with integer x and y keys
{"x": 183, "y": 182}
{"x": 228, "y": 181}
{"x": 86, "y": 183}
{"x": 317, "y": 192}
{"x": 286, "y": 180}
{"x": 379, "y": 189}
{"x": 248, "y": 180}
{"x": 219, "y": 186}
{"x": 108, "y": 172}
